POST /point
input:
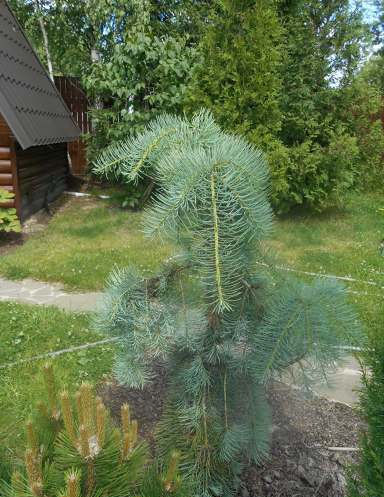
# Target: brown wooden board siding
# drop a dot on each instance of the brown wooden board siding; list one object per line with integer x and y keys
{"x": 77, "y": 102}
{"x": 43, "y": 174}
{"x": 8, "y": 169}
{"x": 78, "y": 153}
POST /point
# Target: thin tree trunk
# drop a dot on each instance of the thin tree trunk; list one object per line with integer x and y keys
{"x": 95, "y": 58}
{"x": 46, "y": 45}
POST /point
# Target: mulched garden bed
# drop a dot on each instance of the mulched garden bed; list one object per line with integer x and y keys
{"x": 301, "y": 462}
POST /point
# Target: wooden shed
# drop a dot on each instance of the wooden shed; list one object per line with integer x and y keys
{"x": 35, "y": 123}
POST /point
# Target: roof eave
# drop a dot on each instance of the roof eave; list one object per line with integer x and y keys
{"x": 17, "y": 130}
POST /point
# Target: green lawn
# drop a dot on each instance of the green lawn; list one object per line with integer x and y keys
{"x": 26, "y": 331}
{"x": 87, "y": 238}
{"x": 341, "y": 242}
{"x": 81, "y": 245}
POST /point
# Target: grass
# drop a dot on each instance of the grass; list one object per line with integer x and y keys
{"x": 30, "y": 330}
{"x": 342, "y": 242}
{"x": 81, "y": 245}
{"x": 87, "y": 238}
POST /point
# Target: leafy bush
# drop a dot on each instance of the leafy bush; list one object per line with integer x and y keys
{"x": 8, "y": 216}
{"x": 367, "y": 479}
{"x": 371, "y": 145}
{"x": 364, "y": 116}
{"x": 223, "y": 326}
{"x": 74, "y": 449}
{"x": 311, "y": 175}
{"x": 267, "y": 73}
{"x": 321, "y": 53}
{"x": 143, "y": 75}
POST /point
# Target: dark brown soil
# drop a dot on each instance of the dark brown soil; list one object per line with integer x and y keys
{"x": 8, "y": 241}
{"x": 146, "y": 405}
{"x": 301, "y": 462}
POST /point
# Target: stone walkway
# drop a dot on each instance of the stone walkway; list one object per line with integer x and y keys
{"x": 346, "y": 381}
{"x": 36, "y": 292}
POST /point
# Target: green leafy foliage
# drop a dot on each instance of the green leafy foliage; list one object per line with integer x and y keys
{"x": 70, "y": 29}
{"x": 238, "y": 77}
{"x": 74, "y": 449}
{"x": 221, "y": 327}
{"x": 134, "y": 58}
{"x": 313, "y": 175}
{"x": 142, "y": 74}
{"x": 364, "y": 118}
{"x": 322, "y": 49}
{"x": 276, "y": 72}
{"x": 282, "y": 73}
{"x": 8, "y": 216}
{"x": 367, "y": 479}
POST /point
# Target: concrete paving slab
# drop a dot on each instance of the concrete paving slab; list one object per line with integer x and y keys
{"x": 78, "y": 302}
{"x": 345, "y": 383}
{"x": 40, "y": 293}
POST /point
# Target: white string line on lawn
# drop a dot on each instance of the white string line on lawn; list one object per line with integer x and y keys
{"x": 324, "y": 275}
{"x": 110, "y": 340}
{"x": 57, "y": 353}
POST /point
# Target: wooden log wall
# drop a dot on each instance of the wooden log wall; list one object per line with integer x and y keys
{"x": 43, "y": 175}
{"x": 37, "y": 175}
{"x": 8, "y": 168}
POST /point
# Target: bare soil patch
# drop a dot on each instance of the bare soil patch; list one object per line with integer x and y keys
{"x": 9, "y": 241}
{"x": 300, "y": 465}
{"x": 301, "y": 462}
{"x": 146, "y": 404}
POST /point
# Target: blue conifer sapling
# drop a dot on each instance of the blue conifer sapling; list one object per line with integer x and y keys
{"x": 219, "y": 318}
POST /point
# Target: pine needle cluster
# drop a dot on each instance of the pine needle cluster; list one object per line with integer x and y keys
{"x": 75, "y": 450}
{"x": 222, "y": 327}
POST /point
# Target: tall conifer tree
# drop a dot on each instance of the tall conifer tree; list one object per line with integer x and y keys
{"x": 238, "y": 78}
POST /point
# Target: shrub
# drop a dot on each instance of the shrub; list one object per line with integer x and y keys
{"x": 364, "y": 114}
{"x": 143, "y": 74}
{"x": 223, "y": 326}
{"x": 371, "y": 144}
{"x": 311, "y": 175}
{"x": 367, "y": 478}
{"x": 8, "y": 216}
{"x": 74, "y": 450}
{"x": 238, "y": 76}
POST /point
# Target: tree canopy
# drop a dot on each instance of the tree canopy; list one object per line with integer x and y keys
{"x": 286, "y": 73}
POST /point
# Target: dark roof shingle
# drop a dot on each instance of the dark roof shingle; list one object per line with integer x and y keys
{"x": 29, "y": 101}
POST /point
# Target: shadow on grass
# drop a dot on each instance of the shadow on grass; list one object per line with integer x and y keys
{"x": 302, "y": 213}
